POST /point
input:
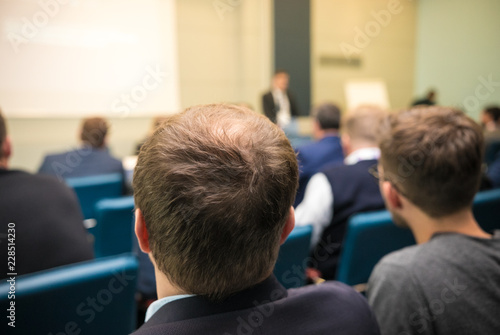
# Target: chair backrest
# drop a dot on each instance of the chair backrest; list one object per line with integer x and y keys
{"x": 291, "y": 265}
{"x": 491, "y": 151}
{"x": 114, "y": 231}
{"x": 91, "y": 189}
{"x": 93, "y": 297}
{"x": 369, "y": 237}
{"x": 486, "y": 209}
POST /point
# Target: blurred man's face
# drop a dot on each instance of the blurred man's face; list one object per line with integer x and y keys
{"x": 280, "y": 81}
{"x": 485, "y": 118}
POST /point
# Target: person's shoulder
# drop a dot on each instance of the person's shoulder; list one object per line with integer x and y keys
{"x": 57, "y": 156}
{"x": 402, "y": 258}
{"x": 329, "y": 291}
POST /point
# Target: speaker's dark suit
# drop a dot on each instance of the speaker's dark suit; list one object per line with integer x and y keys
{"x": 268, "y": 308}
{"x": 271, "y": 109}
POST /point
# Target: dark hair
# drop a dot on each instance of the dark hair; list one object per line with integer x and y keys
{"x": 328, "y": 116}
{"x": 215, "y": 184}
{"x": 94, "y": 131}
{"x": 281, "y": 71}
{"x": 3, "y": 132}
{"x": 494, "y": 111}
{"x": 434, "y": 156}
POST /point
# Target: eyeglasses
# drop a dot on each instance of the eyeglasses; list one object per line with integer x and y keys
{"x": 373, "y": 170}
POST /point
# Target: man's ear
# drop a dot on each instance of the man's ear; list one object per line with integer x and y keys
{"x": 289, "y": 225}
{"x": 346, "y": 144}
{"x": 391, "y": 196}
{"x": 141, "y": 232}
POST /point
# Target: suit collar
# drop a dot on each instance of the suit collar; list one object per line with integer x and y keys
{"x": 198, "y": 306}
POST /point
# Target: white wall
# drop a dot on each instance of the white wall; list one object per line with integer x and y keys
{"x": 458, "y": 48}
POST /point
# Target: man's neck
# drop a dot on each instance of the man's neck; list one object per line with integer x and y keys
{"x": 462, "y": 222}
{"x": 164, "y": 288}
{"x": 321, "y": 134}
{"x": 3, "y": 164}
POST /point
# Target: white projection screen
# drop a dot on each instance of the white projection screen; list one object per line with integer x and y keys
{"x": 72, "y": 58}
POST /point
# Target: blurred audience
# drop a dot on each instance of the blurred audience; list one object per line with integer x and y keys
{"x": 494, "y": 172}
{"x": 449, "y": 283}
{"x": 428, "y": 100}
{"x": 92, "y": 158}
{"x": 41, "y": 219}
{"x": 339, "y": 191}
{"x": 490, "y": 120}
{"x": 325, "y": 151}
{"x": 279, "y": 104}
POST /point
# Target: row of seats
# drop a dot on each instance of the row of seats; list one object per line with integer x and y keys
{"x": 369, "y": 236}
{"x": 85, "y": 296}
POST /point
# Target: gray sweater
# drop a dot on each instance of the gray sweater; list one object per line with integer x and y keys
{"x": 449, "y": 285}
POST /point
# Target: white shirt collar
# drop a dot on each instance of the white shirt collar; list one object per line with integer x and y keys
{"x": 155, "y": 306}
{"x": 362, "y": 155}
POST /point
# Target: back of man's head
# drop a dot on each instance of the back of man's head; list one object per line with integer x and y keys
{"x": 3, "y": 133}
{"x": 328, "y": 116}
{"x": 433, "y": 156}
{"x": 494, "y": 112}
{"x": 215, "y": 185}
{"x": 94, "y": 132}
{"x": 362, "y": 124}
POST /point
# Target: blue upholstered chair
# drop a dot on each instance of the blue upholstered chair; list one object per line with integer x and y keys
{"x": 114, "y": 231}
{"x": 94, "y": 297}
{"x": 91, "y": 189}
{"x": 292, "y": 260}
{"x": 369, "y": 237}
{"x": 486, "y": 209}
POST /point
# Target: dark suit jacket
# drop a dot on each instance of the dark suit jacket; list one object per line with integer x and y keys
{"x": 354, "y": 191}
{"x": 315, "y": 156}
{"x": 81, "y": 162}
{"x": 48, "y": 223}
{"x": 268, "y": 308}
{"x": 270, "y": 109}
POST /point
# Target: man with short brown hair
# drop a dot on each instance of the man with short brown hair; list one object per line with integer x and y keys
{"x": 93, "y": 158}
{"x": 214, "y": 187}
{"x": 341, "y": 190}
{"x": 449, "y": 283}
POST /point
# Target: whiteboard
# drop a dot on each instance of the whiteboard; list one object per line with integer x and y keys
{"x": 366, "y": 92}
{"x": 72, "y": 58}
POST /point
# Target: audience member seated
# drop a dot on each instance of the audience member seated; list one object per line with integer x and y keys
{"x": 214, "y": 193}
{"x": 40, "y": 219}
{"x": 327, "y": 150}
{"x": 490, "y": 119}
{"x": 339, "y": 191}
{"x": 494, "y": 172}
{"x": 428, "y": 100}
{"x": 93, "y": 158}
{"x": 449, "y": 283}
{"x": 279, "y": 104}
